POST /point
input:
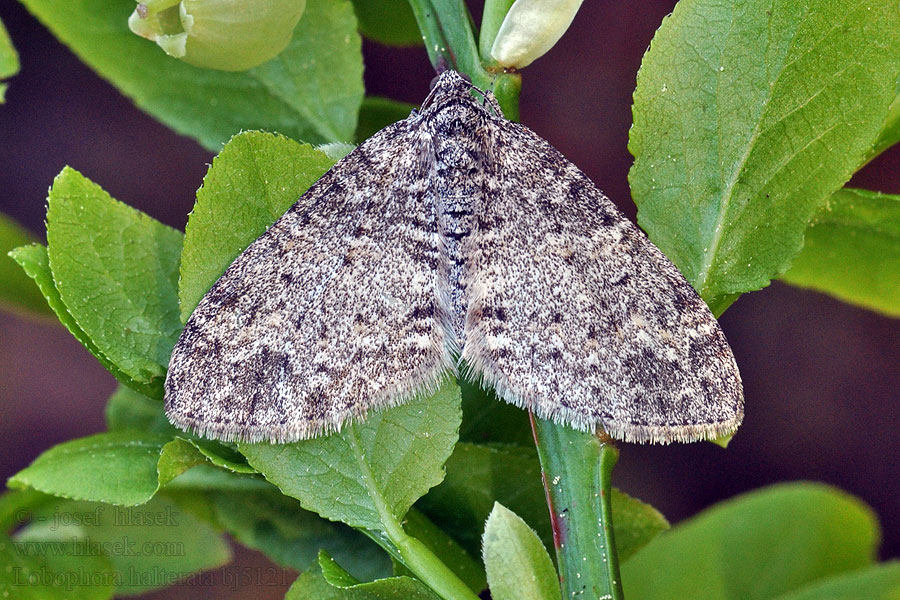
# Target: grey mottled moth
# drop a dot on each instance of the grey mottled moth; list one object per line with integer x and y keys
{"x": 453, "y": 237}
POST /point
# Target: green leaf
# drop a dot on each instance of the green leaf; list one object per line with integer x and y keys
{"x": 890, "y": 132}
{"x": 17, "y": 292}
{"x": 516, "y": 561}
{"x": 635, "y": 524}
{"x": 852, "y": 251}
{"x": 319, "y": 74}
{"x": 311, "y": 585}
{"x": 9, "y": 62}
{"x": 34, "y": 261}
{"x": 747, "y": 117}
{"x": 378, "y": 466}
{"x": 50, "y": 568}
{"x": 150, "y": 546}
{"x": 756, "y": 546}
{"x": 251, "y": 183}
{"x": 124, "y": 468}
{"x": 376, "y": 113}
{"x": 478, "y": 475}
{"x": 292, "y": 537}
{"x": 116, "y": 270}
{"x": 390, "y": 22}
{"x": 311, "y": 91}
{"x": 881, "y": 582}
{"x": 127, "y": 409}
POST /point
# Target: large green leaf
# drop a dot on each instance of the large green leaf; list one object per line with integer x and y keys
{"x": 255, "y": 178}
{"x": 390, "y": 22}
{"x": 116, "y": 270}
{"x": 17, "y": 291}
{"x": 9, "y": 61}
{"x": 881, "y": 582}
{"x": 479, "y": 475}
{"x": 34, "y": 261}
{"x": 125, "y": 468}
{"x": 748, "y": 115}
{"x": 516, "y": 561}
{"x": 756, "y": 546}
{"x": 383, "y": 464}
{"x": 852, "y": 251}
{"x": 311, "y": 91}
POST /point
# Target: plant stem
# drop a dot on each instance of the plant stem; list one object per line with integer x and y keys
{"x": 576, "y": 469}
{"x": 491, "y": 19}
{"x": 447, "y": 31}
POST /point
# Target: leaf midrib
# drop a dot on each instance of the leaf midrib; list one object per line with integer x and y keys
{"x": 700, "y": 282}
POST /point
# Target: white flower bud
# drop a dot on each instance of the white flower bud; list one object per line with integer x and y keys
{"x": 229, "y": 35}
{"x": 530, "y": 29}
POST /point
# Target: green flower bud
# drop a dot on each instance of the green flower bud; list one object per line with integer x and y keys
{"x": 229, "y": 35}
{"x": 530, "y": 29}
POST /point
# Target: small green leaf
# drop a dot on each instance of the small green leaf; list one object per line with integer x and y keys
{"x": 116, "y": 270}
{"x": 311, "y": 91}
{"x": 478, "y": 475}
{"x": 635, "y": 524}
{"x": 34, "y": 261}
{"x": 149, "y": 547}
{"x": 382, "y": 464}
{"x": 9, "y": 63}
{"x": 390, "y": 22}
{"x": 881, "y": 582}
{"x": 852, "y": 251}
{"x": 311, "y": 585}
{"x": 376, "y": 113}
{"x": 516, "y": 561}
{"x": 117, "y": 468}
{"x": 255, "y": 178}
{"x": 747, "y": 117}
{"x": 176, "y": 457}
{"x": 127, "y": 409}
{"x": 757, "y": 546}
{"x": 17, "y": 292}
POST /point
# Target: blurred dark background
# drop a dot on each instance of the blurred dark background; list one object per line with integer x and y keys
{"x": 821, "y": 377}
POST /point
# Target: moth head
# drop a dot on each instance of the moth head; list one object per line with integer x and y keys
{"x": 449, "y": 86}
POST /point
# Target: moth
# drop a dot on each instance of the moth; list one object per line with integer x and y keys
{"x": 454, "y": 241}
